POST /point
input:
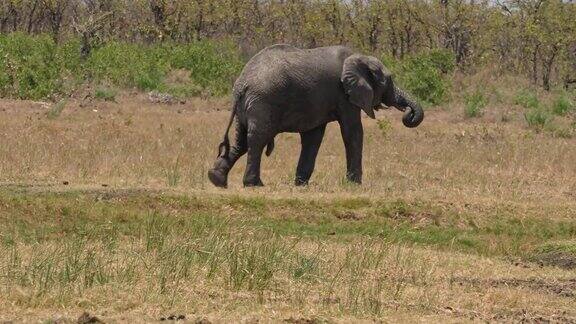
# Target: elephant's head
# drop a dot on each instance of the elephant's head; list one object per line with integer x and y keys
{"x": 369, "y": 84}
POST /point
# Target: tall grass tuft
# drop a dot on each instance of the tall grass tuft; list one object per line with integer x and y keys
{"x": 527, "y": 99}
{"x": 56, "y": 109}
{"x": 474, "y": 104}
{"x": 537, "y": 118}
{"x": 562, "y": 105}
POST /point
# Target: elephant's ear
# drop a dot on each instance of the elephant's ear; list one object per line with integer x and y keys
{"x": 356, "y": 85}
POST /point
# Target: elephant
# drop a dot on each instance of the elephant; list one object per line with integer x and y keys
{"x": 287, "y": 89}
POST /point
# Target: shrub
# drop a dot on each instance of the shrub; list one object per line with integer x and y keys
{"x": 442, "y": 59}
{"x": 28, "y": 65}
{"x": 562, "y": 105}
{"x": 212, "y": 66}
{"x": 128, "y": 65}
{"x": 424, "y": 81}
{"x": 423, "y": 75}
{"x": 475, "y": 104}
{"x": 527, "y": 99}
{"x": 34, "y": 67}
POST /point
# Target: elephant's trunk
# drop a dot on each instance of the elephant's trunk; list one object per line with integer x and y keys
{"x": 413, "y": 112}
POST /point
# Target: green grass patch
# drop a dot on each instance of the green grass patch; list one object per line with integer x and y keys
{"x": 105, "y": 94}
{"x": 39, "y": 218}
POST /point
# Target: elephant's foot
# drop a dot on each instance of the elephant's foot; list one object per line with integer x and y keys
{"x": 299, "y": 182}
{"x": 354, "y": 178}
{"x": 248, "y": 183}
{"x": 218, "y": 178}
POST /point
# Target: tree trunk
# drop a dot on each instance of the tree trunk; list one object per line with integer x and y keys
{"x": 547, "y": 71}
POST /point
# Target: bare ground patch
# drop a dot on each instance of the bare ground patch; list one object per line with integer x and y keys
{"x": 560, "y": 259}
{"x": 562, "y": 288}
{"x": 520, "y": 316}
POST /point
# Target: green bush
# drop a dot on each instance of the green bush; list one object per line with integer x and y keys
{"x": 212, "y": 66}
{"x": 475, "y": 104}
{"x": 128, "y": 65}
{"x": 562, "y": 105}
{"x": 442, "y": 59}
{"x": 424, "y": 75}
{"x": 527, "y": 99}
{"x": 34, "y": 67}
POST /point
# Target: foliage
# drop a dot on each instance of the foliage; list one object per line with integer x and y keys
{"x": 212, "y": 65}
{"x": 423, "y": 78}
{"x": 534, "y": 38}
{"x": 441, "y": 59}
{"x": 424, "y": 75}
{"x": 34, "y": 67}
{"x": 128, "y": 65}
{"x": 563, "y": 132}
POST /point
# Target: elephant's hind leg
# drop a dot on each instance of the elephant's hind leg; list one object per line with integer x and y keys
{"x": 311, "y": 141}
{"x": 256, "y": 143}
{"x": 218, "y": 175}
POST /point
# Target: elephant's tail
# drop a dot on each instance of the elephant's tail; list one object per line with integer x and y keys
{"x": 224, "y": 147}
{"x": 270, "y": 147}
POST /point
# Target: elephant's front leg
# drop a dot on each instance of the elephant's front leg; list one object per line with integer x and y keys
{"x": 311, "y": 141}
{"x": 353, "y": 136}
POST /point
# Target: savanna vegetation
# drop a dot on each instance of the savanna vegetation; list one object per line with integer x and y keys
{"x": 136, "y": 43}
{"x": 110, "y": 116}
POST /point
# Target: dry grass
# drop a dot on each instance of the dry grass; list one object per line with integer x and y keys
{"x": 133, "y": 143}
{"x": 429, "y": 236}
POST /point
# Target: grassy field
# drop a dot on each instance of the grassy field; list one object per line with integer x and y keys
{"x": 105, "y": 207}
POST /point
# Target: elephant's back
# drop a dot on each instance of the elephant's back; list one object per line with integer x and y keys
{"x": 263, "y": 66}
{"x": 285, "y": 70}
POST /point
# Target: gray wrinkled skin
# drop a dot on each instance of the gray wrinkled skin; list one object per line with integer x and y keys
{"x": 287, "y": 89}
